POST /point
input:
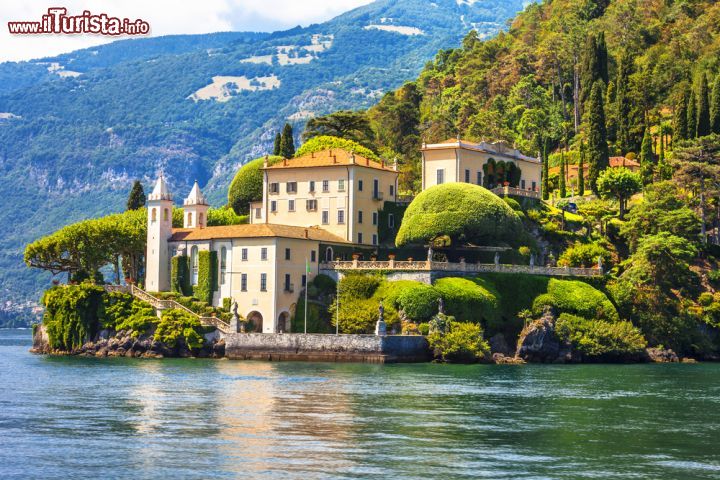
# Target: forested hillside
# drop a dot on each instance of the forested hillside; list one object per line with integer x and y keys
{"x": 75, "y": 130}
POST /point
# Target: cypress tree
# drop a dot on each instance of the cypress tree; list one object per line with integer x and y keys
{"x": 647, "y": 158}
{"x": 287, "y": 145}
{"x": 715, "y": 106}
{"x": 581, "y": 170}
{"x": 680, "y": 118}
{"x": 598, "y": 154}
{"x": 136, "y": 198}
{"x": 610, "y": 112}
{"x": 590, "y": 71}
{"x": 545, "y": 173}
{"x": 602, "y": 58}
{"x": 563, "y": 188}
{"x": 623, "y": 105}
{"x": 661, "y": 156}
{"x": 691, "y": 116}
{"x": 276, "y": 145}
{"x": 703, "y": 112}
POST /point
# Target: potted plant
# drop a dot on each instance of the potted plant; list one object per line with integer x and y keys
{"x": 391, "y": 256}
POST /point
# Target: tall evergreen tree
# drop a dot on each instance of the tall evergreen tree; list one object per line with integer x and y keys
{"x": 611, "y": 113}
{"x": 598, "y": 153}
{"x": 563, "y": 187}
{"x": 602, "y": 58}
{"x": 703, "y": 111}
{"x": 590, "y": 68}
{"x": 647, "y": 158}
{"x": 276, "y": 145}
{"x": 136, "y": 198}
{"x": 715, "y": 106}
{"x": 623, "y": 104}
{"x": 287, "y": 144}
{"x": 691, "y": 116}
{"x": 581, "y": 170}
{"x": 680, "y": 118}
{"x": 545, "y": 173}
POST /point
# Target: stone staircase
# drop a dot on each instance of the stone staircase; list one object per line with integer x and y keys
{"x": 159, "y": 305}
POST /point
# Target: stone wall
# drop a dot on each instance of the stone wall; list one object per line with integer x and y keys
{"x": 331, "y": 348}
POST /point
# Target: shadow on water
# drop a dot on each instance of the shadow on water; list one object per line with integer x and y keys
{"x": 193, "y": 418}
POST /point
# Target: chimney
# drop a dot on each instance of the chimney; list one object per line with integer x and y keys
{"x": 367, "y": 162}
{"x": 334, "y": 159}
{"x": 306, "y": 233}
{"x": 284, "y": 162}
{"x": 265, "y": 162}
{"x": 312, "y": 154}
{"x": 395, "y": 164}
{"x": 382, "y": 163}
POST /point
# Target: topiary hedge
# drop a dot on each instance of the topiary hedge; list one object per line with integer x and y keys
{"x": 180, "y": 275}
{"x": 247, "y": 185}
{"x": 207, "y": 276}
{"x": 418, "y": 300}
{"x": 466, "y": 213}
{"x": 467, "y": 300}
{"x": 325, "y": 142}
{"x": 578, "y": 298}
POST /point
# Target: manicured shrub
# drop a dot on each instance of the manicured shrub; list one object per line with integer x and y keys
{"x": 424, "y": 328}
{"x": 324, "y": 142}
{"x": 358, "y": 286}
{"x": 464, "y": 212}
{"x": 247, "y": 184}
{"x": 512, "y": 203}
{"x": 600, "y": 339}
{"x": 324, "y": 284}
{"x": 585, "y": 254}
{"x": 142, "y": 318}
{"x": 207, "y": 276}
{"x": 361, "y": 315}
{"x": 73, "y": 314}
{"x": 418, "y": 300}
{"x": 467, "y": 300}
{"x": 463, "y": 343}
{"x": 576, "y": 297}
{"x": 178, "y": 326}
{"x": 225, "y": 216}
{"x": 180, "y": 275}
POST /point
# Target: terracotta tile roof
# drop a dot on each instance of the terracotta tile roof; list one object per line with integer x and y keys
{"x": 622, "y": 161}
{"x": 254, "y": 231}
{"x": 330, "y": 158}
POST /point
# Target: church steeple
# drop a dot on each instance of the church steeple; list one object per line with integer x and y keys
{"x": 161, "y": 191}
{"x": 196, "y": 207}
{"x": 160, "y": 204}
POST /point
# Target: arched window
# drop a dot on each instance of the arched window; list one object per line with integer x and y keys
{"x": 194, "y": 264}
{"x": 189, "y": 219}
{"x": 166, "y": 215}
{"x": 200, "y": 219}
{"x": 153, "y": 215}
{"x": 223, "y": 264}
{"x": 329, "y": 254}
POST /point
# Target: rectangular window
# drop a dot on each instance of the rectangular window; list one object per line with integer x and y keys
{"x": 312, "y": 186}
{"x": 391, "y": 220}
{"x": 467, "y": 176}
{"x": 288, "y": 286}
{"x": 258, "y": 213}
{"x": 359, "y": 237}
{"x": 360, "y": 216}
{"x": 360, "y": 185}
{"x": 440, "y": 176}
{"x": 273, "y": 206}
{"x": 313, "y": 256}
{"x": 341, "y": 185}
{"x": 376, "y": 190}
{"x": 375, "y": 218}
{"x": 304, "y": 280}
{"x": 374, "y": 238}
{"x": 291, "y": 187}
{"x": 534, "y": 186}
{"x": 522, "y": 184}
{"x": 274, "y": 187}
{"x": 392, "y": 190}
{"x": 325, "y": 217}
{"x": 263, "y": 253}
{"x": 243, "y": 282}
{"x": 341, "y": 217}
{"x": 479, "y": 178}
{"x": 263, "y": 282}
{"x": 243, "y": 254}
{"x": 326, "y": 186}
{"x": 311, "y": 205}
{"x": 291, "y": 205}
{"x": 287, "y": 254}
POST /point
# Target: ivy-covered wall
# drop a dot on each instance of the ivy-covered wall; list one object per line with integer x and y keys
{"x": 207, "y": 276}
{"x": 180, "y": 275}
{"x": 386, "y": 234}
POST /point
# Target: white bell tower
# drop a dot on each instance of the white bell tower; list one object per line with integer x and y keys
{"x": 195, "y": 207}
{"x": 157, "y": 257}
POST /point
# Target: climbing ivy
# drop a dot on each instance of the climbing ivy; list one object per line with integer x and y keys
{"x": 73, "y": 314}
{"x": 207, "y": 276}
{"x": 180, "y": 275}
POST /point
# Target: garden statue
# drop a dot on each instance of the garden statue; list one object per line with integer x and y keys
{"x": 235, "y": 317}
{"x": 497, "y": 258}
{"x": 380, "y": 326}
{"x": 441, "y": 305}
{"x": 430, "y": 253}
{"x": 532, "y": 260}
{"x": 600, "y": 264}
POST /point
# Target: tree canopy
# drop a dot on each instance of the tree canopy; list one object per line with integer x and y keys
{"x": 246, "y": 185}
{"x": 324, "y": 142}
{"x": 345, "y": 124}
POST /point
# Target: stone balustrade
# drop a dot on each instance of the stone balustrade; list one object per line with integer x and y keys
{"x": 518, "y": 192}
{"x": 459, "y": 267}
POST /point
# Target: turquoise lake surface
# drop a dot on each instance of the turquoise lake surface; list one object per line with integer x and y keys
{"x": 65, "y": 417}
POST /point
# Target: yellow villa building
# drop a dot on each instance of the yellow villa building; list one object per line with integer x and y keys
{"x": 314, "y": 208}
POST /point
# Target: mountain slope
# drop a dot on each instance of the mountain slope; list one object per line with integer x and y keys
{"x": 75, "y": 130}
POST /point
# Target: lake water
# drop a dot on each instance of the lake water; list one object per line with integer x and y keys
{"x": 182, "y": 418}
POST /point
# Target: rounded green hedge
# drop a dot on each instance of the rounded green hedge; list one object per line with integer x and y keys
{"x": 418, "y": 300}
{"x": 467, "y": 213}
{"x": 578, "y": 298}
{"x": 324, "y": 142}
{"x": 466, "y": 300}
{"x": 246, "y": 186}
